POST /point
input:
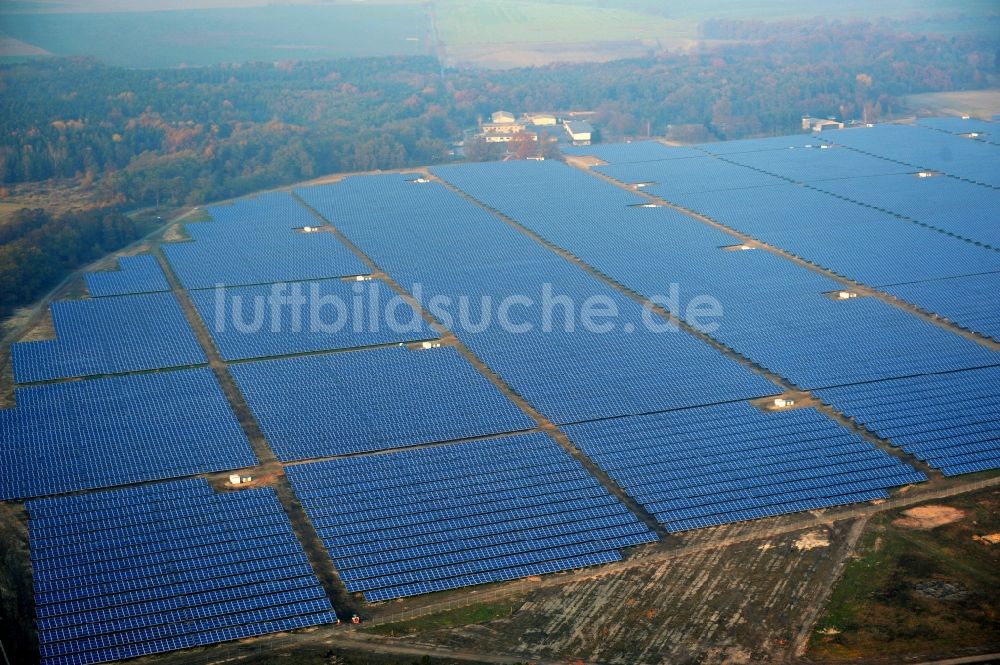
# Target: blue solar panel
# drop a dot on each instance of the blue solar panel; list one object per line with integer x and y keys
{"x": 863, "y": 244}
{"x": 109, "y": 336}
{"x": 818, "y": 163}
{"x": 732, "y": 462}
{"x": 949, "y": 204}
{"x": 301, "y": 317}
{"x": 386, "y": 398}
{"x": 984, "y": 130}
{"x": 135, "y": 274}
{"x": 638, "y": 151}
{"x": 259, "y": 241}
{"x": 773, "y": 310}
{"x": 972, "y": 302}
{"x": 697, "y": 174}
{"x": 764, "y": 144}
{"x": 461, "y": 514}
{"x": 117, "y": 431}
{"x": 200, "y": 595}
{"x": 433, "y": 241}
{"x": 948, "y": 420}
{"x": 925, "y": 149}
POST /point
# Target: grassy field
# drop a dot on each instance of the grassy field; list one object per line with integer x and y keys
{"x": 461, "y": 22}
{"x": 915, "y": 588}
{"x": 484, "y": 32}
{"x": 977, "y": 103}
{"x": 203, "y": 37}
{"x": 557, "y": 21}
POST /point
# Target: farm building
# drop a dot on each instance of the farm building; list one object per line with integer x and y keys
{"x": 580, "y": 131}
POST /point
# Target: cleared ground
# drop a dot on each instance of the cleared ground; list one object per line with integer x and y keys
{"x": 977, "y": 103}
{"x": 736, "y": 604}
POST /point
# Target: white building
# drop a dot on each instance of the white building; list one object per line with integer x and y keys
{"x": 502, "y": 117}
{"x": 579, "y": 131}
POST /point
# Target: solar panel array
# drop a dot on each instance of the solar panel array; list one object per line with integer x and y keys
{"x": 301, "y": 317}
{"x": 818, "y": 163}
{"x": 696, "y": 174}
{"x": 756, "y": 145}
{"x": 259, "y": 241}
{"x": 455, "y": 515}
{"x": 135, "y": 274}
{"x": 859, "y": 243}
{"x": 774, "y": 311}
{"x": 109, "y": 336}
{"x": 720, "y": 464}
{"x": 925, "y": 149}
{"x": 954, "y": 206}
{"x": 848, "y": 238}
{"x": 173, "y": 565}
{"x": 951, "y": 421}
{"x": 987, "y": 131}
{"x": 105, "y": 432}
{"x": 972, "y": 302}
{"x": 344, "y": 403}
{"x": 145, "y": 570}
{"x": 426, "y": 235}
{"x": 639, "y": 151}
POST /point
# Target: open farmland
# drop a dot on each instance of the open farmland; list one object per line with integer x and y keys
{"x": 538, "y": 32}
{"x": 780, "y": 357}
{"x": 518, "y": 33}
{"x": 208, "y": 36}
{"x": 978, "y": 103}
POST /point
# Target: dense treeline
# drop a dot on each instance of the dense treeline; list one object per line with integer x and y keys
{"x": 37, "y": 250}
{"x": 191, "y": 135}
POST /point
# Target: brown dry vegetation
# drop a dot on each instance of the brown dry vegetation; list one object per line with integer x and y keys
{"x": 922, "y": 585}
{"x": 742, "y": 603}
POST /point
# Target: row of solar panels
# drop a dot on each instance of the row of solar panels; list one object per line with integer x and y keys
{"x": 452, "y": 251}
{"x": 161, "y": 567}
{"x": 115, "y": 431}
{"x": 259, "y": 241}
{"x": 111, "y": 335}
{"x": 949, "y": 420}
{"x": 132, "y": 325}
{"x": 719, "y": 464}
{"x": 773, "y": 311}
{"x": 153, "y": 569}
{"x": 135, "y": 274}
{"x": 804, "y": 335}
{"x": 883, "y": 188}
{"x": 127, "y": 429}
{"x": 940, "y": 144}
{"x": 451, "y": 516}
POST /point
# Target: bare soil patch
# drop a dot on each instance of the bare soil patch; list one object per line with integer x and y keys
{"x": 928, "y": 517}
{"x": 812, "y": 540}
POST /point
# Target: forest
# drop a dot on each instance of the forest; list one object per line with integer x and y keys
{"x": 185, "y": 136}
{"x": 37, "y": 250}
{"x": 174, "y": 137}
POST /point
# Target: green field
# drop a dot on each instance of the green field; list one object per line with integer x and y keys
{"x": 204, "y": 37}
